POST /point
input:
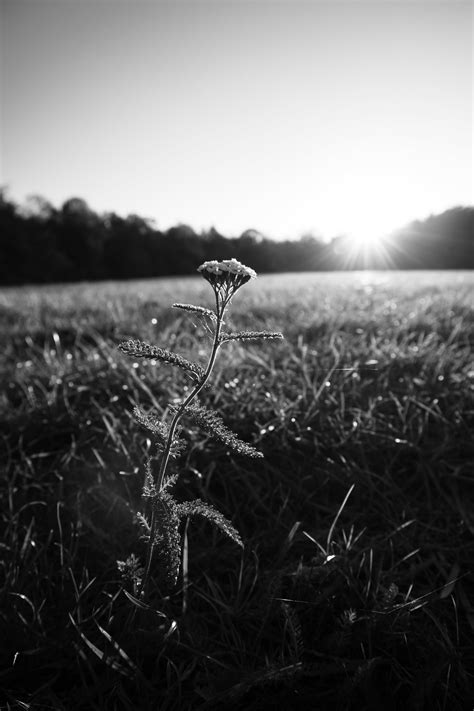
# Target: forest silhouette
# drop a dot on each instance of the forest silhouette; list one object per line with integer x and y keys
{"x": 42, "y": 244}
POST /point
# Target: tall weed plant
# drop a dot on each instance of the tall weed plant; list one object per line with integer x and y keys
{"x": 162, "y": 515}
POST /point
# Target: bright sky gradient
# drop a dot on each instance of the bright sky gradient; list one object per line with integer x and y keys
{"x": 286, "y": 117}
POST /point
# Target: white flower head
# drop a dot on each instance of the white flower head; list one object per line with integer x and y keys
{"x": 226, "y": 277}
{"x": 227, "y": 266}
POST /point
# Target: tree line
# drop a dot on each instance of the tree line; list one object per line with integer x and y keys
{"x": 41, "y": 244}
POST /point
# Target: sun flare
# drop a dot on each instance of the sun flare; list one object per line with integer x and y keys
{"x": 365, "y": 247}
{"x": 366, "y": 238}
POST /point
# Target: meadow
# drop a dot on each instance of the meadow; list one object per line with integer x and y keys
{"x": 355, "y": 586}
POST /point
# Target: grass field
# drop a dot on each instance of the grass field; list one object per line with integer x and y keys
{"x": 355, "y": 589}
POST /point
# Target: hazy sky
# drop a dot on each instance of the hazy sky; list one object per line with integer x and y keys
{"x": 281, "y": 116}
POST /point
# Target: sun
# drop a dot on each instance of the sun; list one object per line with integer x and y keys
{"x": 366, "y": 247}
{"x": 366, "y": 238}
{"x": 367, "y": 221}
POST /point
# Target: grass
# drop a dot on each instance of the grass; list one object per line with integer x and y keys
{"x": 355, "y": 587}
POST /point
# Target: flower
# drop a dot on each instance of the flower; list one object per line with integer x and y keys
{"x": 227, "y": 266}
{"x": 226, "y": 277}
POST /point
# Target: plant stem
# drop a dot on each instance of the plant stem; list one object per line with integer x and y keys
{"x": 174, "y": 423}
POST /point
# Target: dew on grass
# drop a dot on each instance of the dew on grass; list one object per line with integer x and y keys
{"x": 135, "y": 365}
{"x": 231, "y": 383}
{"x": 385, "y": 418}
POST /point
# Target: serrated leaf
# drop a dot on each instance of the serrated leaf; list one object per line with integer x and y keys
{"x": 199, "y": 508}
{"x": 213, "y": 424}
{"x": 152, "y": 423}
{"x": 199, "y": 310}
{"x": 149, "y": 489}
{"x": 167, "y": 538}
{"x": 160, "y": 431}
{"x": 249, "y": 335}
{"x": 145, "y": 525}
{"x": 141, "y": 349}
{"x": 169, "y": 480}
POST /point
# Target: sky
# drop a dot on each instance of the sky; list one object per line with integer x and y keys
{"x": 293, "y": 117}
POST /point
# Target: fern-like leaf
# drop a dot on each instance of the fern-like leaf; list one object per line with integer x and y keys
{"x": 199, "y": 508}
{"x": 152, "y": 423}
{"x": 160, "y": 431}
{"x": 213, "y": 424}
{"x": 149, "y": 489}
{"x": 199, "y": 310}
{"x": 167, "y": 538}
{"x": 169, "y": 480}
{"x": 130, "y": 569}
{"x": 140, "y": 349}
{"x": 144, "y": 524}
{"x": 249, "y": 335}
